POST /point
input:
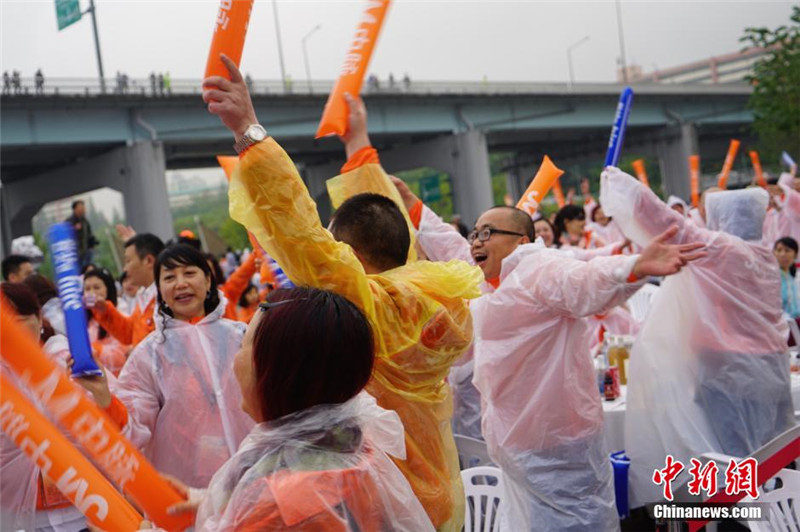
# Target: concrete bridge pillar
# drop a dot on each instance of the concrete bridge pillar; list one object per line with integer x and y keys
{"x": 144, "y": 189}
{"x": 137, "y": 171}
{"x": 673, "y": 152}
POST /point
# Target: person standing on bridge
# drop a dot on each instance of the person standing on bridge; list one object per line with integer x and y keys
{"x": 83, "y": 231}
{"x": 39, "y": 80}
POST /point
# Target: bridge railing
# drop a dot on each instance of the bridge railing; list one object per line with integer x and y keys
{"x": 154, "y": 88}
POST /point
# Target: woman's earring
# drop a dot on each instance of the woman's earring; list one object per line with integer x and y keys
{"x": 208, "y": 295}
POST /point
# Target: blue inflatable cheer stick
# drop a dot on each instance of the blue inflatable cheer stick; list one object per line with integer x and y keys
{"x": 620, "y": 123}
{"x": 64, "y": 249}
{"x": 281, "y": 279}
{"x": 787, "y": 160}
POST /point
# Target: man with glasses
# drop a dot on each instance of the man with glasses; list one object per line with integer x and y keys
{"x": 541, "y": 412}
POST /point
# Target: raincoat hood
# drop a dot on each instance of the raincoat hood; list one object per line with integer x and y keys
{"x": 738, "y": 212}
{"x": 325, "y": 467}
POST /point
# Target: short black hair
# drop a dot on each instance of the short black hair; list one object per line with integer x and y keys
{"x": 146, "y": 244}
{"x": 375, "y": 228}
{"x": 521, "y": 219}
{"x": 12, "y": 264}
{"x": 216, "y": 269}
{"x": 76, "y": 203}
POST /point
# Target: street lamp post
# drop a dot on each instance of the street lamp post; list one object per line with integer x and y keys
{"x": 97, "y": 46}
{"x": 305, "y": 55}
{"x": 569, "y": 59}
{"x": 623, "y": 62}
{"x": 280, "y": 44}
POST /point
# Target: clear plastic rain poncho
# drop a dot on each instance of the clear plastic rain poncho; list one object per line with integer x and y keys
{"x": 541, "y": 413}
{"x": 708, "y": 371}
{"x": 323, "y": 468}
{"x": 19, "y": 477}
{"x": 785, "y": 219}
{"x": 418, "y": 313}
{"x": 183, "y": 400}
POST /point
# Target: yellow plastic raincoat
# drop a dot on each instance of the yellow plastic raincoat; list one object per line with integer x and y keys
{"x": 418, "y": 312}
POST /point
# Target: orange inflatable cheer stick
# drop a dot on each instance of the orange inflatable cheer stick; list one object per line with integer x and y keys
{"x": 694, "y": 178}
{"x": 539, "y": 187}
{"x": 641, "y": 172}
{"x": 228, "y": 164}
{"x": 757, "y": 168}
{"x": 334, "y": 117}
{"x": 90, "y": 427}
{"x": 558, "y": 193}
{"x": 230, "y": 28}
{"x": 62, "y": 463}
{"x": 722, "y": 182}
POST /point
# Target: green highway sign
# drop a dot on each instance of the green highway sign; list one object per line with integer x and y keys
{"x": 67, "y": 12}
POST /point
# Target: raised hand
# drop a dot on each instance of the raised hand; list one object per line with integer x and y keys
{"x": 356, "y": 136}
{"x": 229, "y": 99}
{"x": 409, "y": 198}
{"x": 125, "y": 232}
{"x": 660, "y": 258}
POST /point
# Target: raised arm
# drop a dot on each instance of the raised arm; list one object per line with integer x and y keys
{"x": 239, "y": 280}
{"x": 578, "y": 288}
{"x": 439, "y": 240}
{"x": 115, "y": 322}
{"x": 268, "y": 197}
{"x": 640, "y": 213}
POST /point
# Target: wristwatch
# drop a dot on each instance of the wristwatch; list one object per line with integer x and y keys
{"x": 252, "y": 135}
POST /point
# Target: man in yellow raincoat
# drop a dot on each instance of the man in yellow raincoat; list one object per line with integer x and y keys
{"x": 417, "y": 309}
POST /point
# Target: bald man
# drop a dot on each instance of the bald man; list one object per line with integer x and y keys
{"x": 541, "y": 414}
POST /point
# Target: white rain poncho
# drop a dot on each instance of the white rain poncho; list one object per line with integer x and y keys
{"x": 323, "y": 468}
{"x": 542, "y": 417}
{"x": 709, "y": 371}
{"x": 785, "y": 219}
{"x": 19, "y": 477}
{"x": 183, "y": 401}
{"x": 675, "y": 200}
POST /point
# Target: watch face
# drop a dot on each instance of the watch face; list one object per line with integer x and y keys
{"x": 256, "y": 132}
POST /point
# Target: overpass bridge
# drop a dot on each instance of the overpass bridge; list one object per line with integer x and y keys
{"x": 73, "y": 138}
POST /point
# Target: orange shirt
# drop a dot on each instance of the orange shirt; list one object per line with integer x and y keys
{"x": 129, "y": 330}
{"x": 235, "y": 286}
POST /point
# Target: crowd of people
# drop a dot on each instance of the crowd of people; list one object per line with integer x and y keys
{"x": 332, "y": 405}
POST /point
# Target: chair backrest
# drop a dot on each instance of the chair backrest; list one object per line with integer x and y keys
{"x": 483, "y": 488}
{"x": 471, "y": 452}
{"x": 782, "y": 503}
{"x": 639, "y": 302}
{"x": 794, "y": 330}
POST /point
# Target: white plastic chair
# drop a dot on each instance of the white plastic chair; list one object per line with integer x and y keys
{"x": 483, "y": 488}
{"x": 471, "y": 452}
{"x": 794, "y": 332}
{"x": 783, "y": 502}
{"x": 639, "y": 303}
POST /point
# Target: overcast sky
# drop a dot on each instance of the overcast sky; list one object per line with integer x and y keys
{"x": 429, "y": 39}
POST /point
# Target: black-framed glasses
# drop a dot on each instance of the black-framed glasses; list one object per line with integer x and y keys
{"x": 486, "y": 233}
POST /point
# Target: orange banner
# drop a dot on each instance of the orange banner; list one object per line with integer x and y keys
{"x": 90, "y": 426}
{"x": 230, "y": 29}
{"x": 334, "y": 117}
{"x": 722, "y": 182}
{"x": 694, "y": 178}
{"x": 641, "y": 172}
{"x": 547, "y": 175}
{"x": 61, "y": 463}
{"x": 558, "y": 193}
{"x": 759, "y": 172}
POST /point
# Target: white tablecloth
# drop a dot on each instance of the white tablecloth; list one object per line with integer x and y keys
{"x": 614, "y": 415}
